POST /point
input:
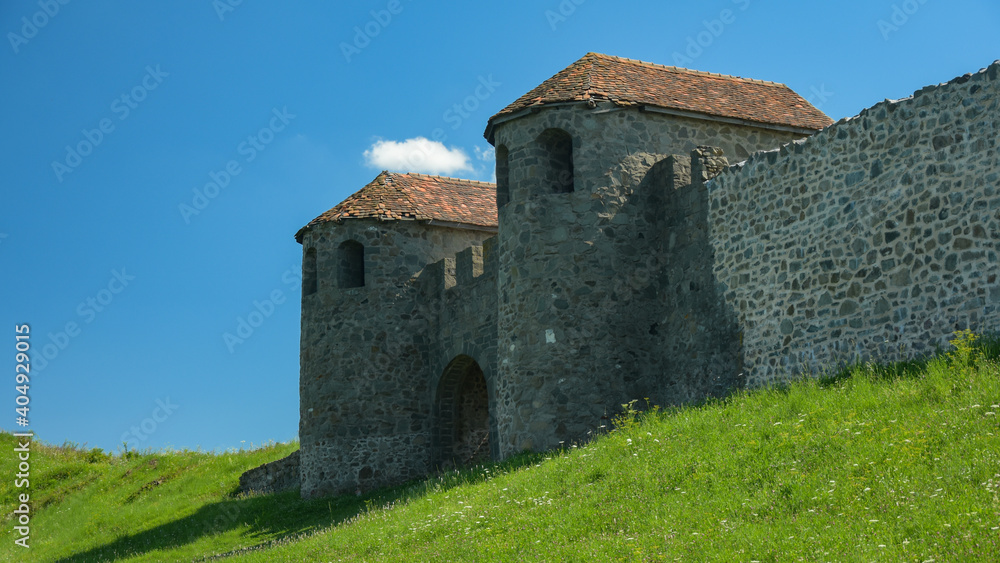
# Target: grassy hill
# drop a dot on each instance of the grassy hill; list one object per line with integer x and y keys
{"x": 894, "y": 463}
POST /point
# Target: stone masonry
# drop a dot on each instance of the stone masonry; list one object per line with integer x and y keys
{"x": 277, "y": 476}
{"x": 620, "y": 256}
{"x": 877, "y": 237}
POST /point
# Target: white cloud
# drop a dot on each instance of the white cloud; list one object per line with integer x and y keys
{"x": 417, "y": 155}
{"x": 488, "y": 157}
{"x": 488, "y": 154}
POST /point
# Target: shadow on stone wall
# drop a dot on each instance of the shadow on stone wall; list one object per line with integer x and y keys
{"x": 700, "y": 337}
{"x": 676, "y": 339}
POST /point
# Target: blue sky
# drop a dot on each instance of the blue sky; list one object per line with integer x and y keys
{"x": 158, "y": 159}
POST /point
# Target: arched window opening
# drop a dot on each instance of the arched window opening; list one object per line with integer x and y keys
{"x": 503, "y": 176}
{"x": 556, "y": 151}
{"x": 351, "y": 264}
{"x": 463, "y": 414}
{"x": 309, "y": 282}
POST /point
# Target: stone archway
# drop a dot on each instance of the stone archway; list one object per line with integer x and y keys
{"x": 463, "y": 420}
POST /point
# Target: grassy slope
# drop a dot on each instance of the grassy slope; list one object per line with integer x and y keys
{"x": 100, "y": 508}
{"x": 875, "y": 466}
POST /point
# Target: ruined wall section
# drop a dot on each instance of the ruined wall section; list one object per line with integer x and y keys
{"x": 274, "y": 477}
{"x": 579, "y": 266}
{"x": 876, "y": 236}
{"x": 366, "y": 356}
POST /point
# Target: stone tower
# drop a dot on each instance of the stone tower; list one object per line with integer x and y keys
{"x": 427, "y": 342}
{"x": 366, "y": 408}
{"x": 580, "y": 196}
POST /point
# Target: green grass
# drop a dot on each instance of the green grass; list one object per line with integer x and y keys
{"x": 894, "y": 463}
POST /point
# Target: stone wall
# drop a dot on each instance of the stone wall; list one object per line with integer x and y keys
{"x": 580, "y": 270}
{"x": 274, "y": 477}
{"x": 367, "y": 355}
{"x": 622, "y": 272}
{"x": 699, "y": 336}
{"x": 460, "y": 299}
{"x": 876, "y": 236}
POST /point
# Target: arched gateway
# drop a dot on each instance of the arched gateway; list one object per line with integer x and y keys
{"x": 463, "y": 415}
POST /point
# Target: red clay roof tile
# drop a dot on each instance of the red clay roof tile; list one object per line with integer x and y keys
{"x": 627, "y": 82}
{"x": 395, "y": 196}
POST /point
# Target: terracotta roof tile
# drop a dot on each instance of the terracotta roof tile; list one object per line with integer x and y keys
{"x": 627, "y": 82}
{"x": 394, "y": 196}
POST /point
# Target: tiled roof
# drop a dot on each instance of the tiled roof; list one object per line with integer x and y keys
{"x": 627, "y": 82}
{"x": 393, "y": 196}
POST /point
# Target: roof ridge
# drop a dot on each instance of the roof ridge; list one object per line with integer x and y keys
{"x": 588, "y": 88}
{"x": 685, "y": 70}
{"x": 632, "y": 83}
{"x": 444, "y": 178}
{"x": 394, "y": 196}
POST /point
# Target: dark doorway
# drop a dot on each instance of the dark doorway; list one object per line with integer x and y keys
{"x": 463, "y": 414}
